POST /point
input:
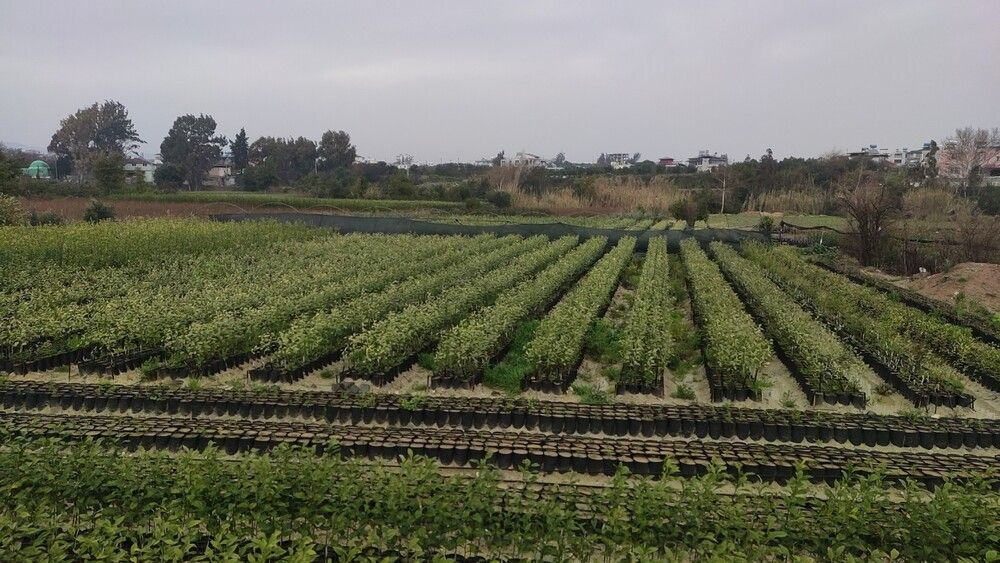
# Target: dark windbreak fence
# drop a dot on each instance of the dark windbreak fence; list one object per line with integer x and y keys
{"x": 402, "y": 225}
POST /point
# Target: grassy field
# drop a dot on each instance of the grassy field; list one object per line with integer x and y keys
{"x": 289, "y": 200}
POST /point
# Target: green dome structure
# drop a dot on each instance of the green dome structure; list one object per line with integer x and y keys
{"x": 37, "y": 169}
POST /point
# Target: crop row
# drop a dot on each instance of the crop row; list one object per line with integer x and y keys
{"x": 546, "y": 416}
{"x": 312, "y": 340}
{"x": 465, "y": 350}
{"x": 873, "y": 324}
{"x": 647, "y": 342}
{"x": 293, "y": 504}
{"x": 240, "y": 332}
{"x": 508, "y": 450}
{"x": 826, "y": 368}
{"x": 376, "y": 351}
{"x": 735, "y": 348}
{"x": 979, "y": 322}
{"x": 174, "y": 301}
{"x": 557, "y": 345}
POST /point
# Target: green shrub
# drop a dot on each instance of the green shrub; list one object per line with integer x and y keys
{"x": 45, "y": 218}
{"x": 98, "y": 211}
{"x": 11, "y": 212}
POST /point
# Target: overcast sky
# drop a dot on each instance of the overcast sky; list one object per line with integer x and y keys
{"x": 462, "y": 80}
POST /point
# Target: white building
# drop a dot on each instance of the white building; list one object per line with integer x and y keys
{"x": 523, "y": 159}
{"x": 706, "y": 162}
{"x": 619, "y": 160}
{"x": 135, "y": 167}
{"x": 221, "y": 173}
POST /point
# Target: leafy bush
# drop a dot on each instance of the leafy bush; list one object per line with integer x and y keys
{"x": 500, "y": 199}
{"x": 690, "y": 210}
{"x": 11, "y": 212}
{"x": 45, "y": 218}
{"x": 98, "y": 211}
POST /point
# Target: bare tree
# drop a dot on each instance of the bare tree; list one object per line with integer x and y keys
{"x": 965, "y": 152}
{"x": 871, "y": 209}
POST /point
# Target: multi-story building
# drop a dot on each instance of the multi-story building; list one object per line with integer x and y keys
{"x": 706, "y": 162}
{"x": 523, "y": 159}
{"x": 619, "y": 160}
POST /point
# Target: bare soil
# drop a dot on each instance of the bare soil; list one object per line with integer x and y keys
{"x": 978, "y": 281}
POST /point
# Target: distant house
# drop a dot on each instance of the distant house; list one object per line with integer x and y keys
{"x": 523, "y": 159}
{"x": 871, "y": 152}
{"x": 706, "y": 162}
{"x": 37, "y": 169}
{"x": 989, "y": 166}
{"x": 140, "y": 167}
{"x": 221, "y": 173}
{"x": 619, "y": 160}
{"x": 907, "y": 157}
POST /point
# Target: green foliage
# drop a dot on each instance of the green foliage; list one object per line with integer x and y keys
{"x": 500, "y": 199}
{"x": 11, "y": 212}
{"x": 766, "y": 225}
{"x": 508, "y": 374}
{"x": 735, "y": 347}
{"x": 603, "y": 342}
{"x": 294, "y": 504}
{"x": 911, "y": 343}
{"x": 561, "y": 336}
{"x": 392, "y": 340}
{"x": 335, "y": 151}
{"x": 108, "y": 172}
{"x": 466, "y": 349}
{"x": 816, "y": 352}
{"x": 684, "y": 392}
{"x": 590, "y": 395}
{"x": 169, "y": 176}
{"x": 192, "y": 145}
{"x": 691, "y": 210}
{"x": 647, "y": 340}
{"x": 98, "y": 211}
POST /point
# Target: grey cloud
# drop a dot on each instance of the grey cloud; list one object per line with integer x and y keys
{"x": 461, "y": 80}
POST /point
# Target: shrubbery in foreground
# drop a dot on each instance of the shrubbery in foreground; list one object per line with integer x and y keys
{"x": 96, "y": 500}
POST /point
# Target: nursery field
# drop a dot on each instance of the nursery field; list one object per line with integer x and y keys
{"x": 747, "y": 384}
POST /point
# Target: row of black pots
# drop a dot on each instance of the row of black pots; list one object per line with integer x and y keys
{"x": 117, "y": 364}
{"x": 553, "y": 423}
{"x": 48, "y": 362}
{"x": 455, "y": 452}
{"x": 543, "y": 385}
{"x": 453, "y": 382}
{"x": 720, "y": 393}
{"x": 273, "y": 373}
{"x": 639, "y": 387}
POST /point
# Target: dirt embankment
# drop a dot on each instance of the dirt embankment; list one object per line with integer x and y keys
{"x": 978, "y": 281}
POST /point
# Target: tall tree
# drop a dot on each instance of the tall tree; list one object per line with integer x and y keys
{"x": 192, "y": 145}
{"x": 768, "y": 172}
{"x": 285, "y": 160}
{"x": 100, "y": 129}
{"x": 498, "y": 159}
{"x": 335, "y": 151}
{"x": 560, "y": 159}
{"x": 965, "y": 152}
{"x": 241, "y": 150}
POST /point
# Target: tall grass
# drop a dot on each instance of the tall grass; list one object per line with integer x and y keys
{"x": 610, "y": 195}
